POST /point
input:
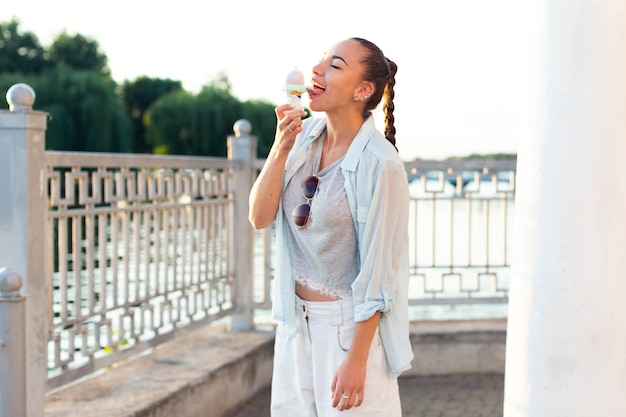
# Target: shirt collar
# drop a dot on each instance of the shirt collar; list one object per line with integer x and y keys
{"x": 359, "y": 143}
{"x": 355, "y": 150}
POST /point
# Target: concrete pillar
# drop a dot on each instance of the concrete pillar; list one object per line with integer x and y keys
{"x": 242, "y": 148}
{"x": 566, "y": 342}
{"x": 22, "y": 227}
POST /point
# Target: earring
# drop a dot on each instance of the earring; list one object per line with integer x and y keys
{"x": 355, "y": 98}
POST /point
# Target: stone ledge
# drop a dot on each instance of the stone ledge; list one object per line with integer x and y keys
{"x": 210, "y": 372}
{"x": 204, "y": 373}
{"x": 458, "y": 347}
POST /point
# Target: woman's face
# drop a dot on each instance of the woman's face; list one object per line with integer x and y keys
{"x": 338, "y": 77}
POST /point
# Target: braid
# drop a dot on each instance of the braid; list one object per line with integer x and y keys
{"x": 382, "y": 73}
{"x": 389, "y": 107}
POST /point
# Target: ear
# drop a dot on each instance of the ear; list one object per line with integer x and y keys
{"x": 364, "y": 91}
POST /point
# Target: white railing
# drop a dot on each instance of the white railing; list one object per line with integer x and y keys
{"x": 122, "y": 252}
{"x": 138, "y": 247}
{"x": 461, "y": 222}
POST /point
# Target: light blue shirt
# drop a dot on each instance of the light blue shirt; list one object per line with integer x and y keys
{"x": 378, "y": 196}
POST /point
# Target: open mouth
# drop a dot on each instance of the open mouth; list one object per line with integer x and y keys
{"x": 316, "y": 89}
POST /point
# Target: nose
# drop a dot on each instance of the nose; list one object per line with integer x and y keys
{"x": 317, "y": 69}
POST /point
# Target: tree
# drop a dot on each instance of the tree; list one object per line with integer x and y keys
{"x": 138, "y": 96}
{"x": 90, "y": 112}
{"x": 183, "y": 124}
{"x": 217, "y": 111}
{"x": 261, "y": 116}
{"x": 79, "y": 52}
{"x": 84, "y": 111}
{"x": 20, "y": 52}
{"x": 168, "y": 124}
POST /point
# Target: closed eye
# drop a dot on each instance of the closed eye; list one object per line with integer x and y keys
{"x": 334, "y": 63}
{"x": 337, "y": 60}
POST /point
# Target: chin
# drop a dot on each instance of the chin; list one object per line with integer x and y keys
{"x": 315, "y": 107}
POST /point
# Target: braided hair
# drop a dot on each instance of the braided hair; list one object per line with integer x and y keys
{"x": 382, "y": 73}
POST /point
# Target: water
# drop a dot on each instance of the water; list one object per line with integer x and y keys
{"x": 465, "y": 234}
{"x": 453, "y": 234}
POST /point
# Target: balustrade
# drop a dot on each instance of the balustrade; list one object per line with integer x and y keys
{"x": 133, "y": 249}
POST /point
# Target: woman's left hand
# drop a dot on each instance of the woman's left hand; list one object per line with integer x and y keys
{"x": 348, "y": 384}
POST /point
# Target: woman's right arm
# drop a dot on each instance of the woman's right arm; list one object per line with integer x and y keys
{"x": 265, "y": 193}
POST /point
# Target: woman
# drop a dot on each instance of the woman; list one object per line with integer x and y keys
{"x": 338, "y": 192}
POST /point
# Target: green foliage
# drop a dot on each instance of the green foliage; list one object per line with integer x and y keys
{"x": 261, "y": 116}
{"x": 168, "y": 124}
{"x": 84, "y": 112}
{"x": 79, "y": 52}
{"x": 184, "y": 124}
{"x": 71, "y": 83}
{"x": 216, "y": 112}
{"x": 20, "y": 52}
{"x": 9, "y": 79}
{"x": 90, "y": 112}
{"x": 137, "y": 97}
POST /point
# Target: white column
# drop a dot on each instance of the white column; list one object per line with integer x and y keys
{"x": 566, "y": 344}
{"x": 23, "y": 207}
{"x": 242, "y": 148}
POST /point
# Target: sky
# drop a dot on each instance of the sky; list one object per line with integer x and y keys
{"x": 457, "y": 86}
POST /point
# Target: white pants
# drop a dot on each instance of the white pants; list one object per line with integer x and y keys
{"x": 304, "y": 366}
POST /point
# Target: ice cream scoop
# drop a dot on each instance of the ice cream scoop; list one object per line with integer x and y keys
{"x": 294, "y": 87}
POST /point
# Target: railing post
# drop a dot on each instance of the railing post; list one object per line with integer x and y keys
{"x": 242, "y": 148}
{"x": 23, "y": 228}
{"x": 12, "y": 345}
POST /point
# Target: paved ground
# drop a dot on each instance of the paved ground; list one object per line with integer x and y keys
{"x": 435, "y": 396}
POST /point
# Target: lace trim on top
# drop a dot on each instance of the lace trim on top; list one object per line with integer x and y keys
{"x": 319, "y": 287}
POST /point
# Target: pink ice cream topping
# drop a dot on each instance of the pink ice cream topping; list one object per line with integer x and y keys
{"x": 295, "y": 77}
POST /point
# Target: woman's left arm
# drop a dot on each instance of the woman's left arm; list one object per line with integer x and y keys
{"x": 383, "y": 241}
{"x": 350, "y": 377}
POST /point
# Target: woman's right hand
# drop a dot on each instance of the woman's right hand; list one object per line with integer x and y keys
{"x": 265, "y": 193}
{"x": 289, "y": 124}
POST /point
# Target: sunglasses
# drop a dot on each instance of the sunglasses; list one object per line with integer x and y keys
{"x": 302, "y": 213}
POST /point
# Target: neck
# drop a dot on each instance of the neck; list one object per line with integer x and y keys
{"x": 339, "y": 135}
{"x": 342, "y": 130}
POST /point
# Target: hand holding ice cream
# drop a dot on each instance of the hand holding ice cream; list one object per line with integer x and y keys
{"x": 294, "y": 88}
